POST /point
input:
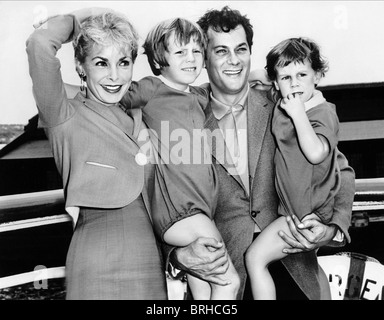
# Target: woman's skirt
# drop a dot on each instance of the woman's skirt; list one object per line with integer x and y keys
{"x": 114, "y": 255}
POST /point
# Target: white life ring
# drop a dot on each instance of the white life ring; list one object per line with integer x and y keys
{"x": 354, "y": 276}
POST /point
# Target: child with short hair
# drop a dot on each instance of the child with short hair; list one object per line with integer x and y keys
{"x": 306, "y": 128}
{"x": 185, "y": 190}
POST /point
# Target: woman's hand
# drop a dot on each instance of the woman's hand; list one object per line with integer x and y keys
{"x": 84, "y": 13}
{"x": 80, "y": 15}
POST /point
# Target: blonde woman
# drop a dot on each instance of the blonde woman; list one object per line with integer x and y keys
{"x": 113, "y": 253}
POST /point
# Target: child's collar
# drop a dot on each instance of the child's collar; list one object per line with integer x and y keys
{"x": 172, "y": 85}
{"x": 316, "y": 99}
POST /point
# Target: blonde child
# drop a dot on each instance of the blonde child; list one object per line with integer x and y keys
{"x": 185, "y": 188}
{"x": 306, "y": 128}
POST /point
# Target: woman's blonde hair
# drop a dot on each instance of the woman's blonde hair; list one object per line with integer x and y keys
{"x": 106, "y": 29}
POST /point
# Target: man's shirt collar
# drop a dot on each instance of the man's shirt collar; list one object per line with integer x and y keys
{"x": 220, "y": 109}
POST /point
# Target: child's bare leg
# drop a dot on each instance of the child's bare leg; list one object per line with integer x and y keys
{"x": 188, "y": 230}
{"x": 228, "y": 292}
{"x": 266, "y": 248}
{"x": 200, "y": 289}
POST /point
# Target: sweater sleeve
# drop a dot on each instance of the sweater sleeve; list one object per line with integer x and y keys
{"x": 44, "y": 68}
{"x": 326, "y": 124}
{"x": 342, "y": 211}
{"x": 139, "y": 93}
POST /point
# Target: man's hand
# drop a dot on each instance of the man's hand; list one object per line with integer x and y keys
{"x": 307, "y": 235}
{"x": 258, "y": 79}
{"x": 205, "y": 258}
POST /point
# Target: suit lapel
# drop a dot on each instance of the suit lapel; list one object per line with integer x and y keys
{"x": 257, "y": 122}
{"x": 218, "y": 146}
{"x": 104, "y": 112}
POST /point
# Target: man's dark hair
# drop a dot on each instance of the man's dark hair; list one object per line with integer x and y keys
{"x": 226, "y": 20}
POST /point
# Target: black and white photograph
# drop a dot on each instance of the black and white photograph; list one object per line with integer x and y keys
{"x": 174, "y": 152}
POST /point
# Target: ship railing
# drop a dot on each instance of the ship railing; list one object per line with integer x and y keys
{"x": 30, "y": 210}
{"x": 47, "y": 207}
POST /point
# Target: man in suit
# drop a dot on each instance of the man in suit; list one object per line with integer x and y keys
{"x": 247, "y": 200}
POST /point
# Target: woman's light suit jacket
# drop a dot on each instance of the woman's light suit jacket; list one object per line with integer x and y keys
{"x": 94, "y": 150}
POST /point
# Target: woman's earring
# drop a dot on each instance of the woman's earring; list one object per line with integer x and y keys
{"x": 82, "y": 81}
